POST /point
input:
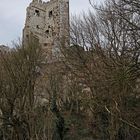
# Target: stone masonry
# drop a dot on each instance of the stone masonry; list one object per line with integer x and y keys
{"x": 49, "y": 22}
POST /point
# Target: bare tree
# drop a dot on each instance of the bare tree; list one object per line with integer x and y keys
{"x": 105, "y": 56}
{"x": 18, "y": 80}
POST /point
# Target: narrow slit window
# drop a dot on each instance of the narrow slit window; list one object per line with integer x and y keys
{"x": 37, "y": 26}
{"x": 50, "y": 14}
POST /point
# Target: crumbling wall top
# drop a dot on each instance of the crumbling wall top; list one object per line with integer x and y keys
{"x": 47, "y": 2}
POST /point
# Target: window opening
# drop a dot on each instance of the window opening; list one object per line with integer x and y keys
{"x": 37, "y": 13}
{"x": 37, "y": 26}
{"x": 50, "y": 14}
{"x": 47, "y": 31}
{"x": 45, "y": 44}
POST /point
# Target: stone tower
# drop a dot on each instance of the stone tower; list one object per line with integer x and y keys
{"x": 49, "y": 22}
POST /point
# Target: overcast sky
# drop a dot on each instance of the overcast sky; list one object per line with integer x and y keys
{"x": 12, "y": 17}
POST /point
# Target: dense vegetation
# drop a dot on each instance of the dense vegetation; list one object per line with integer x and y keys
{"x": 91, "y": 93}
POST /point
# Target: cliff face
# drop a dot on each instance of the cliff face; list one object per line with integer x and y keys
{"x": 48, "y": 21}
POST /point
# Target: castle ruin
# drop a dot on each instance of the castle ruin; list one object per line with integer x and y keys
{"x": 49, "y": 22}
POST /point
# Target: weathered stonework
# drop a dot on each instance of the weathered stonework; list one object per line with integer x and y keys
{"x": 49, "y": 22}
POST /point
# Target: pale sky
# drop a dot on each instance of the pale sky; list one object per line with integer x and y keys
{"x": 13, "y": 12}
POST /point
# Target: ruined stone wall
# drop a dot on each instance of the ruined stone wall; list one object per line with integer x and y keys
{"x": 48, "y": 21}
